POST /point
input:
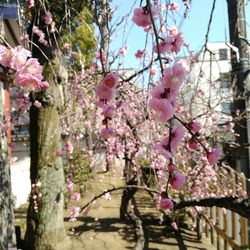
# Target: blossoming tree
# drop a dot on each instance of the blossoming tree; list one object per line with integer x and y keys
{"x": 148, "y": 128}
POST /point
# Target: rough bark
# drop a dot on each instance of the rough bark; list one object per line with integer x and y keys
{"x": 45, "y": 229}
{"x": 235, "y": 204}
{"x": 7, "y": 230}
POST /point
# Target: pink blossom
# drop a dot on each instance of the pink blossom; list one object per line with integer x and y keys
{"x": 31, "y": 67}
{"x": 110, "y": 80}
{"x": 75, "y": 196}
{"x": 66, "y": 46}
{"x": 177, "y": 135}
{"x": 165, "y": 45}
{"x": 19, "y": 57}
{"x": 104, "y": 92}
{"x": 5, "y": 55}
{"x": 70, "y": 185}
{"x": 153, "y": 71}
{"x": 177, "y": 180}
{"x": 108, "y": 111}
{"x": 163, "y": 106}
{"x": 29, "y": 83}
{"x": 139, "y": 54}
{"x": 69, "y": 147}
{"x": 213, "y": 156}
{"x": 59, "y": 153}
{"x": 164, "y": 149}
{"x": 173, "y": 6}
{"x": 74, "y": 213}
{"x": 173, "y": 31}
{"x": 107, "y": 132}
{"x": 37, "y": 104}
{"x": 171, "y": 167}
{"x": 165, "y": 202}
{"x": 48, "y": 18}
{"x": 24, "y": 39}
{"x": 31, "y": 3}
{"x": 52, "y": 27}
{"x": 195, "y": 126}
{"x": 123, "y": 50}
{"x": 193, "y": 144}
{"x": 174, "y": 77}
{"x": 142, "y": 17}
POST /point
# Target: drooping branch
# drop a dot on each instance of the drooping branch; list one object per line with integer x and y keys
{"x": 235, "y": 204}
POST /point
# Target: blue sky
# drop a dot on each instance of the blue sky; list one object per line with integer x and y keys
{"x": 194, "y": 27}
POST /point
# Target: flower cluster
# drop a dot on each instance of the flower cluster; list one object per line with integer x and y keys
{"x": 164, "y": 95}
{"x": 28, "y": 73}
{"x": 105, "y": 92}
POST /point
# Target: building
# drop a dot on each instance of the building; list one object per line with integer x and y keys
{"x": 17, "y": 138}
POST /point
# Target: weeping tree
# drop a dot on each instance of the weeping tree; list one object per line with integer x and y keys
{"x": 45, "y": 229}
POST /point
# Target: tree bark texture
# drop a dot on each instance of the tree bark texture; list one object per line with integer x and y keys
{"x": 45, "y": 229}
{"x": 7, "y": 230}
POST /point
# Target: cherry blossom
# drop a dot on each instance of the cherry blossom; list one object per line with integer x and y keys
{"x": 177, "y": 180}
{"x": 213, "y": 156}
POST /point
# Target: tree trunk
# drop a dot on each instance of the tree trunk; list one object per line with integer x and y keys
{"x": 45, "y": 229}
{"x": 7, "y": 231}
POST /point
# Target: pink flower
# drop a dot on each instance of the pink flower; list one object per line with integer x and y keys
{"x": 165, "y": 202}
{"x": 31, "y": 67}
{"x": 177, "y": 180}
{"x": 153, "y": 71}
{"x": 5, "y": 55}
{"x": 66, "y": 46}
{"x": 195, "y": 126}
{"x": 69, "y": 147}
{"x": 59, "y": 153}
{"x": 110, "y": 80}
{"x": 74, "y": 213}
{"x": 37, "y": 104}
{"x": 70, "y": 185}
{"x": 52, "y": 27}
{"x": 75, "y": 196}
{"x": 165, "y": 45}
{"x": 48, "y": 18}
{"x": 19, "y": 57}
{"x": 29, "y": 83}
{"x": 174, "y": 77}
{"x": 31, "y": 4}
{"x": 139, "y": 54}
{"x": 177, "y": 135}
{"x": 104, "y": 93}
{"x": 164, "y": 148}
{"x": 107, "y": 132}
{"x": 108, "y": 111}
{"x": 193, "y": 144}
{"x": 213, "y": 156}
{"x": 142, "y": 17}
{"x": 173, "y": 6}
{"x": 163, "y": 106}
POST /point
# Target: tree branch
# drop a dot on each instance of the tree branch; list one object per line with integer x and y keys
{"x": 235, "y": 204}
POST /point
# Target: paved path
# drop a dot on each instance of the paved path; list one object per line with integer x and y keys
{"x": 101, "y": 228}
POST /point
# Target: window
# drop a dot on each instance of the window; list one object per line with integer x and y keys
{"x": 224, "y": 80}
{"x": 223, "y": 54}
{"x": 226, "y": 108}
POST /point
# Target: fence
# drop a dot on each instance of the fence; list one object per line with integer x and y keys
{"x": 227, "y": 230}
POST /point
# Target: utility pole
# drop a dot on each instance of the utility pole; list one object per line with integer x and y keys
{"x": 241, "y": 83}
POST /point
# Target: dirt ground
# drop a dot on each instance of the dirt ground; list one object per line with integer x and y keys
{"x": 102, "y": 229}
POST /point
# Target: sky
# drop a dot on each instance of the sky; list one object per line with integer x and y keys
{"x": 194, "y": 27}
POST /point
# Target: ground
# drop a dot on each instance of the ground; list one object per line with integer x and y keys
{"x": 102, "y": 229}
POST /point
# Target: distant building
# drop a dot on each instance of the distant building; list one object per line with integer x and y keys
{"x": 17, "y": 134}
